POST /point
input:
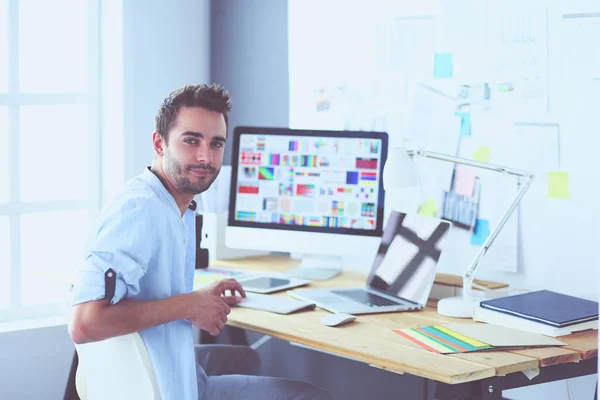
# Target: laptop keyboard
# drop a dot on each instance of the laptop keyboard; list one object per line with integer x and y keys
{"x": 366, "y": 298}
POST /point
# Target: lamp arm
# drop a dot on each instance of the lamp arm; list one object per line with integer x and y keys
{"x": 469, "y": 274}
{"x": 525, "y": 179}
{"x": 471, "y": 163}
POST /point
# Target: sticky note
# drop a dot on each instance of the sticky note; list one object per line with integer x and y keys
{"x": 482, "y": 154}
{"x": 429, "y": 208}
{"x": 558, "y": 185}
{"x": 465, "y": 123}
{"x": 442, "y": 65}
{"x": 464, "y": 181}
{"x": 482, "y": 231}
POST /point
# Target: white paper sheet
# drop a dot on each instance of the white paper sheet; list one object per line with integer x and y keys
{"x": 537, "y": 147}
{"x": 501, "y": 336}
{"x": 578, "y": 37}
{"x": 497, "y": 193}
{"x": 517, "y": 40}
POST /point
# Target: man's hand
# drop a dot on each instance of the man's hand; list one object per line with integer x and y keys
{"x": 220, "y": 289}
{"x": 210, "y": 305}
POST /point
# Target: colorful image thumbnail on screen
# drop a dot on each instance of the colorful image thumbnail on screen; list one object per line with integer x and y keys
{"x": 312, "y": 181}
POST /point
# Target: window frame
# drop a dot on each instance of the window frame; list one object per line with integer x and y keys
{"x": 15, "y": 208}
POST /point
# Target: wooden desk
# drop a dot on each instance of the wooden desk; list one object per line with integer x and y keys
{"x": 370, "y": 339}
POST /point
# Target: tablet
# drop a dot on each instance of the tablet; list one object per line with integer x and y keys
{"x": 270, "y": 284}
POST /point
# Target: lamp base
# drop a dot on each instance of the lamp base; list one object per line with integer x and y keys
{"x": 457, "y": 307}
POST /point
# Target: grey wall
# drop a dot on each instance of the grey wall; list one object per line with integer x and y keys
{"x": 249, "y": 56}
{"x": 34, "y": 364}
{"x": 166, "y": 44}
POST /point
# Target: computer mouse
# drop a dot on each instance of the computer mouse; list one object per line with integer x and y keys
{"x": 337, "y": 319}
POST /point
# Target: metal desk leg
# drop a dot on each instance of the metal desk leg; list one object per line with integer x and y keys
{"x": 491, "y": 389}
{"x": 486, "y": 389}
{"x": 425, "y": 389}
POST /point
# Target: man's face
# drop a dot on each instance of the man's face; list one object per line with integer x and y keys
{"x": 194, "y": 154}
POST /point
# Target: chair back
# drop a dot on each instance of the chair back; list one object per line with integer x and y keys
{"x": 116, "y": 368}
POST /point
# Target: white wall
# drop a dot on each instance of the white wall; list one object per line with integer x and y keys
{"x": 166, "y": 45}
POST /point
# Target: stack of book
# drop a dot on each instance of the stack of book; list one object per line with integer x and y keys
{"x": 544, "y": 312}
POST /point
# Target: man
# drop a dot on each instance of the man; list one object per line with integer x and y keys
{"x": 146, "y": 235}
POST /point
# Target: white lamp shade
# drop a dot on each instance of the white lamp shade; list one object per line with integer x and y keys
{"x": 400, "y": 170}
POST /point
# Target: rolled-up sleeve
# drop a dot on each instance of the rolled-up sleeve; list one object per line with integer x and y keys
{"x": 123, "y": 241}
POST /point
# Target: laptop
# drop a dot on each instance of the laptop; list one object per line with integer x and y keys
{"x": 402, "y": 273}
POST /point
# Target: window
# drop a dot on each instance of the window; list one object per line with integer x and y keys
{"x": 51, "y": 159}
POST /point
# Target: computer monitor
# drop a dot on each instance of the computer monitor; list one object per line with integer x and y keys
{"x": 314, "y": 192}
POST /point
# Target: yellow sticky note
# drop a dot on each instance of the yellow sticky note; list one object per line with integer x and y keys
{"x": 482, "y": 154}
{"x": 558, "y": 185}
{"x": 429, "y": 208}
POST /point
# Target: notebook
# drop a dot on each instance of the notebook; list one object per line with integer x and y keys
{"x": 513, "y": 321}
{"x": 550, "y": 308}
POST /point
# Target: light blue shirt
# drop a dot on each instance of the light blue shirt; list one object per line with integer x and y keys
{"x": 142, "y": 236}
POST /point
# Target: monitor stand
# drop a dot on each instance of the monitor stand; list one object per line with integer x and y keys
{"x": 317, "y": 267}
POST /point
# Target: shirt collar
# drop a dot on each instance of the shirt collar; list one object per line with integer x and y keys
{"x": 156, "y": 184}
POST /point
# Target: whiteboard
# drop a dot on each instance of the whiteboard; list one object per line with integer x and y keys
{"x": 385, "y": 67}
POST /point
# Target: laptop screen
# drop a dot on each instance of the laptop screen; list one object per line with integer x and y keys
{"x": 406, "y": 262}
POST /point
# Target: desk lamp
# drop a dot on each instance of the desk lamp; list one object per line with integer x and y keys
{"x": 399, "y": 173}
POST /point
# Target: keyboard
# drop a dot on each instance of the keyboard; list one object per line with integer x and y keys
{"x": 367, "y": 298}
{"x": 276, "y": 304}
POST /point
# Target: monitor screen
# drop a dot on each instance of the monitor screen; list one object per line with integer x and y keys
{"x": 308, "y": 180}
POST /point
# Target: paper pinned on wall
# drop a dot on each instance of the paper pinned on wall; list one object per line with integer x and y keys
{"x": 498, "y": 192}
{"x": 518, "y": 52}
{"x": 482, "y": 154}
{"x": 482, "y": 231}
{"x": 558, "y": 185}
{"x": 579, "y": 32}
{"x": 538, "y": 147}
{"x": 410, "y": 57}
{"x": 434, "y": 127}
{"x": 464, "y": 181}
{"x": 503, "y": 254}
{"x": 465, "y": 123}
{"x": 491, "y": 135}
{"x": 461, "y": 210}
{"x": 429, "y": 208}
{"x": 442, "y": 65}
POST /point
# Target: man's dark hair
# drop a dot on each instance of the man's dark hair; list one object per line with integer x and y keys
{"x": 211, "y": 97}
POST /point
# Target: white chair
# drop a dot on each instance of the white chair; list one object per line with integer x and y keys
{"x": 116, "y": 368}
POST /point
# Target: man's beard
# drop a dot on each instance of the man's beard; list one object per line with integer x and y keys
{"x": 183, "y": 184}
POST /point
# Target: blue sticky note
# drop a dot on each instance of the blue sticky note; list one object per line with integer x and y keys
{"x": 482, "y": 231}
{"x": 442, "y": 65}
{"x": 465, "y": 123}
